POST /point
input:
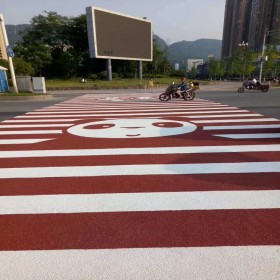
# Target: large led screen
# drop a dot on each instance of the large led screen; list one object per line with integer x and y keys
{"x": 118, "y": 36}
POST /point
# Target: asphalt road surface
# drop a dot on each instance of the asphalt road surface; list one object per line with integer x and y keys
{"x": 123, "y": 186}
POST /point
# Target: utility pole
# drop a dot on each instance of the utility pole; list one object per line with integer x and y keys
{"x": 266, "y": 33}
{"x": 11, "y": 66}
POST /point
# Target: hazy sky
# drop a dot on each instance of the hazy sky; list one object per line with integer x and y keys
{"x": 172, "y": 20}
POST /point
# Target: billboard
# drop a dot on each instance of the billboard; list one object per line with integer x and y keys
{"x": 117, "y": 36}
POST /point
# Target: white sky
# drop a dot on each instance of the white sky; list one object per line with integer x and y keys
{"x": 173, "y": 20}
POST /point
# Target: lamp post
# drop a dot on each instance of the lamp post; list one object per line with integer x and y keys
{"x": 243, "y": 46}
{"x": 211, "y": 58}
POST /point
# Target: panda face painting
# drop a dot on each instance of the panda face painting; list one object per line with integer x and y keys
{"x": 132, "y": 128}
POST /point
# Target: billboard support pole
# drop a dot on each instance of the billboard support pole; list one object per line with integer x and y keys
{"x": 140, "y": 70}
{"x": 109, "y": 69}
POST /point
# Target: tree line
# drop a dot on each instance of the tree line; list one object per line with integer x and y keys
{"x": 245, "y": 63}
{"x": 56, "y": 46}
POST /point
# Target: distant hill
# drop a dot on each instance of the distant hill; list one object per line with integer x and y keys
{"x": 194, "y": 49}
{"x": 176, "y": 52}
{"x": 179, "y": 52}
{"x": 13, "y": 32}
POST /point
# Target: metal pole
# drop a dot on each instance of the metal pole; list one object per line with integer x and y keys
{"x": 11, "y": 66}
{"x": 140, "y": 70}
{"x": 262, "y": 57}
{"x": 109, "y": 69}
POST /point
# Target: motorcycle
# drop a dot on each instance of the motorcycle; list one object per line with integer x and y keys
{"x": 249, "y": 86}
{"x": 172, "y": 92}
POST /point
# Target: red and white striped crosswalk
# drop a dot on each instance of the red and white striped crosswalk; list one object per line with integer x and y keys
{"x": 128, "y": 187}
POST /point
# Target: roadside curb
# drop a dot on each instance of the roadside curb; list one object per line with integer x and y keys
{"x": 35, "y": 97}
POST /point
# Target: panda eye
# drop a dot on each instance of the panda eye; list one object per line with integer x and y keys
{"x": 100, "y": 126}
{"x": 167, "y": 124}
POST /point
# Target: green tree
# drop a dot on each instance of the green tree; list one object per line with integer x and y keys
{"x": 21, "y": 67}
{"x": 57, "y": 46}
{"x": 242, "y": 63}
{"x": 213, "y": 68}
{"x": 272, "y": 65}
{"x": 159, "y": 64}
{"x": 42, "y": 41}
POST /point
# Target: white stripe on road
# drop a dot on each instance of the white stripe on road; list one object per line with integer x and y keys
{"x": 34, "y": 125}
{"x": 36, "y": 121}
{"x": 145, "y": 169}
{"x": 188, "y": 114}
{"x": 259, "y": 126}
{"x": 131, "y": 202}
{"x": 189, "y": 111}
{"x": 226, "y": 262}
{"x": 250, "y": 136}
{"x": 237, "y": 120}
{"x": 19, "y": 132}
{"x": 141, "y": 151}
{"x": 114, "y": 107}
{"x": 22, "y": 141}
{"x": 224, "y": 116}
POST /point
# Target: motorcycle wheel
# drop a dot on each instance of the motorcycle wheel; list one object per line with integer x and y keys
{"x": 192, "y": 95}
{"x": 189, "y": 96}
{"x": 164, "y": 97}
{"x": 264, "y": 89}
{"x": 241, "y": 89}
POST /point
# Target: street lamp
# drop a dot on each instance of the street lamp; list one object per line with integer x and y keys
{"x": 243, "y": 46}
{"x": 211, "y": 58}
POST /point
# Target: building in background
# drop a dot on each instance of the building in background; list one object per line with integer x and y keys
{"x": 246, "y": 21}
{"x": 193, "y": 63}
{"x": 3, "y": 53}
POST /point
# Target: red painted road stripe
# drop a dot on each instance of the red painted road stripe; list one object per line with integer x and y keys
{"x": 139, "y": 159}
{"x": 140, "y": 230}
{"x": 128, "y": 184}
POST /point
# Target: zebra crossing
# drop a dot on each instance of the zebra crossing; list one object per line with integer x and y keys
{"x": 128, "y": 187}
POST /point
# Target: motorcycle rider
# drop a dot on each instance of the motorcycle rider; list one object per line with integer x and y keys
{"x": 183, "y": 86}
{"x": 252, "y": 83}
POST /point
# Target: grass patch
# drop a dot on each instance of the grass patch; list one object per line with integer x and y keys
{"x": 115, "y": 83}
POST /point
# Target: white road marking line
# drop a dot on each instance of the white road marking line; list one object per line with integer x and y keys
{"x": 141, "y": 151}
{"x": 258, "y": 126}
{"x": 22, "y": 141}
{"x": 145, "y": 169}
{"x": 224, "y": 116}
{"x": 237, "y": 120}
{"x": 39, "y": 120}
{"x": 130, "y": 202}
{"x": 34, "y": 125}
{"x": 188, "y": 114}
{"x": 103, "y": 107}
{"x": 18, "y": 132}
{"x": 192, "y": 111}
{"x": 223, "y": 262}
{"x": 250, "y": 136}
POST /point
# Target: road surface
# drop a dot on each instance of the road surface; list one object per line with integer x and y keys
{"x": 123, "y": 186}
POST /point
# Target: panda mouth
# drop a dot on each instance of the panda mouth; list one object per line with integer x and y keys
{"x": 133, "y": 135}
